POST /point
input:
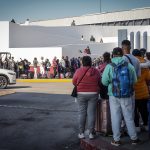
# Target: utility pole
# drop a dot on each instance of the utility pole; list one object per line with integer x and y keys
{"x": 100, "y": 5}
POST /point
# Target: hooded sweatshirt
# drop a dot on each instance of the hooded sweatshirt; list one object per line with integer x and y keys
{"x": 108, "y": 74}
{"x": 90, "y": 82}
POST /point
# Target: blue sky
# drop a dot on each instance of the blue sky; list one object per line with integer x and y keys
{"x": 20, "y": 10}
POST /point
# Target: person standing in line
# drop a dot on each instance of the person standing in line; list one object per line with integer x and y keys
{"x": 42, "y": 67}
{"x": 88, "y": 80}
{"x": 47, "y": 67}
{"x": 35, "y": 65}
{"x": 147, "y": 59}
{"x": 102, "y": 66}
{"x": 141, "y": 93}
{"x": 128, "y": 57}
{"x": 55, "y": 65}
{"x": 63, "y": 65}
{"x": 120, "y": 78}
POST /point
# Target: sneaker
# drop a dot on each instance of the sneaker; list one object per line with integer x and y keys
{"x": 138, "y": 129}
{"x": 81, "y": 136}
{"x": 115, "y": 143}
{"x": 135, "y": 142}
{"x": 91, "y": 136}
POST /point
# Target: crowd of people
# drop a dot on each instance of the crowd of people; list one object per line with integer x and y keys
{"x": 21, "y": 67}
{"x": 122, "y": 78}
{"x": 64, "y": 68}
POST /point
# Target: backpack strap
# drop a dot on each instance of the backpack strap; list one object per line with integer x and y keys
{"x": 83, "y": 76}
{"x": 120, "y": 64}
{"x": 113, "y": 65}
{"x": 129, "y": 59}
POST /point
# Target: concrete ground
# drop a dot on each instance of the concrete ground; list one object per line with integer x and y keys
{"x": 38, "y": 116}
{"x": 43, "y": 116}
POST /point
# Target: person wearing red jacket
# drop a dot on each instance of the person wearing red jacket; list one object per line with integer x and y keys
{"x": 88, "y": 89}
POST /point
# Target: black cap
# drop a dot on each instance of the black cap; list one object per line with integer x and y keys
{"x": 136, "y": 52}
{"x": 143, "y": 51}
{"x": 117, "y": 51}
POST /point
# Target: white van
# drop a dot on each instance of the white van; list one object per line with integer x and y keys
{"x": 7, "y": 77}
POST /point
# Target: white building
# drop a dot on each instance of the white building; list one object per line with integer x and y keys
{"x": 139, "y": 16}
{"x": 49, "y": 39}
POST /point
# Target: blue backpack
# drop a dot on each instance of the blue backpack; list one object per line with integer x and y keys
{"x": 122, "y": 85}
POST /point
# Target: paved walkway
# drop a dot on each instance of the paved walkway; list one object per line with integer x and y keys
{"x": 50, "y": 86}
{"x": 24, "y": 111}
{"x": 6, "y": 92}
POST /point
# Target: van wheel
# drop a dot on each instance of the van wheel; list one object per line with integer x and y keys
{"x": 3, "y": 82}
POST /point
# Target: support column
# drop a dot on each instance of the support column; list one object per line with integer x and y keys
{"x": 138, "y": 39}
{"x": 145, "y": 40}
{"x": 132, "y": 40}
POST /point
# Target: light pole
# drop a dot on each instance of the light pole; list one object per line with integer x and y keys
{"x": 100, "y": 5}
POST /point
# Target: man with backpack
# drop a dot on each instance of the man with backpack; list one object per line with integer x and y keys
{"x": 120, "y": 77}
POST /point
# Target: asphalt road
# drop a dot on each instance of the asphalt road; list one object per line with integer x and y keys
{"x": 35, "y": 118}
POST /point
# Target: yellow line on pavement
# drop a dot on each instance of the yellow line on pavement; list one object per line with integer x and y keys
{"x": 44, "y": 80}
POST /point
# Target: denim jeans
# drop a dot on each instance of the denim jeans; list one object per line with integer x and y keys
{"x": 87, "y": 111}
{"x": 119, "y": 107}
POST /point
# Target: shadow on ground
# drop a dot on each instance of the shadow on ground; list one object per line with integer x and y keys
{"x": 18, "y": 87}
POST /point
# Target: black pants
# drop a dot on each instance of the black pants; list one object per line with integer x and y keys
{"x": 141, "y": 109}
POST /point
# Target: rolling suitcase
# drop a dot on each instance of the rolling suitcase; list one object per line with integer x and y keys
{"x": 103, "y": 118}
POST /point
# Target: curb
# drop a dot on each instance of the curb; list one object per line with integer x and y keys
{"x": 98, "y": 144}
{"x": 45, "y": 80}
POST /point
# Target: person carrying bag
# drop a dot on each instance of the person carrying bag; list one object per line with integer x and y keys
{"x": 87, "y": 89}
{"x": 74, "y": 91}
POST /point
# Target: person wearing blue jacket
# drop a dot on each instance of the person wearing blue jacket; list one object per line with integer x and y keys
{"x": 120, "y": 105}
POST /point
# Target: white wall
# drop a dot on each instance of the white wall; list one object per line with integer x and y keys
{"x": 96, "y": 49}
{"x": 33, "y": 36}
{"x": 36, "y": 36}
{"x": 4, "y": 35}
{"x": 50, "y": 52}
{"x": 68, "y": 50}
{"x": 30, "y": 53}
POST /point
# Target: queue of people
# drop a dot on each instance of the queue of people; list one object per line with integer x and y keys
{"x": 21, "y": 67}
{"x": 124, "y": 81}
{"x": 63, "y": 68}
